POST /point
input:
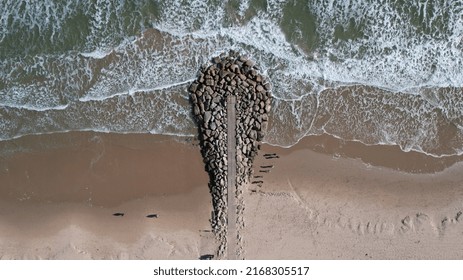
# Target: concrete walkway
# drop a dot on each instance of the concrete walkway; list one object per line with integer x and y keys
{"x": 231, "y": 177}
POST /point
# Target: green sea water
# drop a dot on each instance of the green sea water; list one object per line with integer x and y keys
{"x": 124, "y": 66}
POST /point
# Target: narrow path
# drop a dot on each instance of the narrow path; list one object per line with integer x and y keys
{"x": 231, "y": 177}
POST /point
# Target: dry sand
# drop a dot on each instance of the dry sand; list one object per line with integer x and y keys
{"x": 323, "y": 199}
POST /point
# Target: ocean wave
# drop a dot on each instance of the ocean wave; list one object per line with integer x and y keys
{"x": 139, "y": 66}
{"x": 37, "y": 109}
{"x": 131, "y": 92}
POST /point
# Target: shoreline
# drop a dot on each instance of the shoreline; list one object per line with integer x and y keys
{"x": 315, "y": 206}
{"x": 388, "y": 156}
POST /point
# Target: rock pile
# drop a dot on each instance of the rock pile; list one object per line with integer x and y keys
{"x": 229, "y": 74}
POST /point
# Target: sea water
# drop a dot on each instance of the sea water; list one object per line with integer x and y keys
{"x": 375, "y": 71}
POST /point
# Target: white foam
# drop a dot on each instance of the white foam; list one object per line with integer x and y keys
{"x": 95, "y": 130}
{"x": 133, "y": 91}
{"x": 395, "y": 57}
{"x": 37, "y": 109}
{"x": 96, "y": 54}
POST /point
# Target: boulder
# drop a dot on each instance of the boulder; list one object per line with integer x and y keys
{"x": 210, "y": 82}
{"x": 194, "y": 98}
{"x": 267, "y": 108}
{"x": 253, "y": 135}
{"x": 193, "y": 87}
{"x": 207, "y": 116}
{"x": 213, "y": 126}
{"x": 264, "y": 126}
{"x": 234, "y": 68}
{"x": 243, "y": 58}
{"x": 249, "y": 63}
{"x": 196, "y": 110}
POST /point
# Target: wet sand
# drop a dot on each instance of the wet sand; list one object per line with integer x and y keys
{"x": 321, "y": 199}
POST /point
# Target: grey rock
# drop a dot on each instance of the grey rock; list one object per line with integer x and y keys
{"x": 209, "y": 90}
{"x": 194, "y": 99}
{"x": 253, "y": 135}
{"x": 251, "y": 82}
{"x": 234, "y": 68}
{"x": 264, "y": 126}
{"x": 213, "y": 126}
{"x": 193, "y": 87}
{"x": 210, "y": 82}
{"x": 242, "y": 58}
{"x": 249, "y": 63}
{"x": 207, "y": 116}
{"x": 196, "y": 110}
{"x": 267, "y": 108}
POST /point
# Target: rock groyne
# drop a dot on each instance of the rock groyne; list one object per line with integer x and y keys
{"x": 229, "y": 75}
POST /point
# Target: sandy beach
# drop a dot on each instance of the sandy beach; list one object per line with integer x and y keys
{"x": 321, "y": 199}
{"x": 129, "y": 129}
{"x": 315, "y": 205}
{"x": 59, "y": 194}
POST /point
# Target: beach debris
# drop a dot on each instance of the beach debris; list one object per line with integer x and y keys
{"x": 264, "y": 171}
{"x": 266, "y": 166}
{"x": 229, "y": 75}
{"x": 151, "y": 216}
{"x": 271, "y": 156}
{"x": 206, "y": 257}
{"x": 119, "y": 214}
{"x": 257, "y": 182}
